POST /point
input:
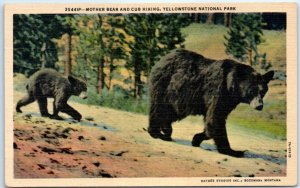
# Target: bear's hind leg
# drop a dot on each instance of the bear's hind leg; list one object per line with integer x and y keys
{"x": 43, "y": 106}
{"x": 55, "y": 111}
{"x": 198, "y": 138}
{"x": 24, "y": 101}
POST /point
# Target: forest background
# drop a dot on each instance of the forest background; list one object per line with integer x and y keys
{"x": 115, "y": 54}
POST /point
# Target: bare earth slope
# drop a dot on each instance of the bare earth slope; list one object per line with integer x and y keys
{"x": 111, "y": 143}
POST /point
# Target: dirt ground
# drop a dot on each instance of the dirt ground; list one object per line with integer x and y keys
{"x": 110, "y": 143}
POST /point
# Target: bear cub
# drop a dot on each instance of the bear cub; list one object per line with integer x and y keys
{"x": 48, "y": 83}
{"x": 186, "y": 83}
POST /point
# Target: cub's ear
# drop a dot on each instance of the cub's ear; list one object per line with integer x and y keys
{"x": 268, "y": 76}
{"x": 72, "y": 80}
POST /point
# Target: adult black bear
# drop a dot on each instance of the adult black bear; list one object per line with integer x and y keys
{"x": 185, "y": 83}
{"x": 48, "y": 83}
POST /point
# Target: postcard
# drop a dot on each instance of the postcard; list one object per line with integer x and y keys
{"x": 198, "y": 94}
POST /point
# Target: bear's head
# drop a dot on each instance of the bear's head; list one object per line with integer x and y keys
{"x": 249, "y": 86}
{"x": 254, "y": 87}
{"x": 79, "y": 87}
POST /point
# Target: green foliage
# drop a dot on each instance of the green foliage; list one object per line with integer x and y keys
{"x": 154, "y": 36}
{"x": 100, "y": 44}
{"x": 117, "y": 98}
{"x": 32, "y": 42}
{"x": 244, "y": 35}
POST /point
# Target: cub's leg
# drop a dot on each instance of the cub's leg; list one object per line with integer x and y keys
{"x": 42, "y": 101}
{"x": 60, "y": 105}
{"x": 27, "y": 99}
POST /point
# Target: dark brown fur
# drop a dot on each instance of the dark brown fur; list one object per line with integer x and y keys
{"x": 48, "y": 83}
{"x": 185, "y": 83}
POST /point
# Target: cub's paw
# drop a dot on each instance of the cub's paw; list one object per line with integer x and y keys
{"x": 18, "y": 110}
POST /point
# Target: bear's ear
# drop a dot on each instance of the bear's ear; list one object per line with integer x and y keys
{"x": 268, "y": 76}
{"x": 72, "y": 80}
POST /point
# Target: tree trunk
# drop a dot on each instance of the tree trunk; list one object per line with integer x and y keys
{"x": 43, "y": 58}
{"x": 227, "y": 19}
{"x": 100, "y": 73}
{"x": 137, "y": 78}
{"x": 111, "y": 69}
{"x": 68, "y": 50}
{"x": 250, "y": 57}
{"x": 196, "y": 18}
{"x": 210, "y": 18}
{"x": 100, "y": 76}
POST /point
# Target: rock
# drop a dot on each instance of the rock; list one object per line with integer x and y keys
{"x": 119, "y": 154}
{"x": 261, "y": 169}
{"x": 27, "y": 116}
{"x": 89, "y": 118}
{"x": 105, "y": 174}
{"x": 54, "y": 161}
{"x": 251, "y": 175}
{"x": 47, "y": 150}
{"x": 15, "y": 146}
{"x": 66, "y": 150}
{"x": 102, "y": 138}
{"x": 50, "y": 136}
{"x": 80, "y": 137}
{"x": 67, "y": 130}
{"x": 237, "y": 175}
{"x": 41, "y": 166}
{"x": 97, "y": 164}
{"x": 50, "y": 172}
{"x": 198, "y": 161}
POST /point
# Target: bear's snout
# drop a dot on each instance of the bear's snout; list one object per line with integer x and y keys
{"x": 260, "y": 107}
{"x": 257, "y": 103}
{"x": 83, "y": 95}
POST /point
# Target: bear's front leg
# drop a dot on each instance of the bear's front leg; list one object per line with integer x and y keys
{"x": 71, "y": 112}
{"x": 60, "y": 105}
{"x": 155, "y": 129}
{"x": 216, "y": 129}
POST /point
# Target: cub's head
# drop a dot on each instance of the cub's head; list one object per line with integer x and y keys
{"x": 253, "y": 88}
{"x": 79, "y": 87}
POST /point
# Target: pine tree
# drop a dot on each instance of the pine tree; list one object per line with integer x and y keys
{"x": 154, "y": 36}
{"x": 33, "y": 42}
{"x": 244, "y": 36}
